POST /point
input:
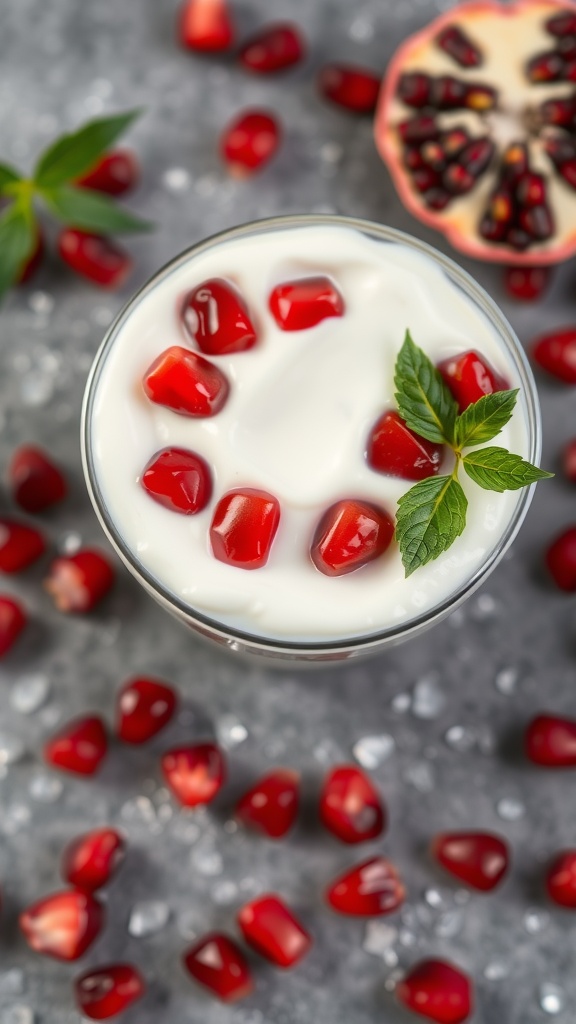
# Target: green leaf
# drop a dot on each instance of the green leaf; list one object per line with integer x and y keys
{"x": 495, "y": 469}
{"x": 91, "y": 211}
{"x": 17, "y": 236}
{"x": 482, "y": 420}
{"x": 72, "y": 155}
{"x": 430, "y": 517}
{"x": 424, "y": 400}
{"x": 8, "y": 176}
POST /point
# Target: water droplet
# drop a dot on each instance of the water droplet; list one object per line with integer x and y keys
{"x": 433, "y": 898}
{"x": 36, "y": 388}
{"x": 462, "y": 897}
{"x": 393, "y": 978}
{"x": 41, "y": 303}
{"x": 224, "y": 892}
{"x": 45, "y": 788}
{"x": 147, "y": 918}
{"x": 15, "y": 818}
{"x": 102, "y": 87}
{"x": 139, "y": 810}
{"x": 506, "y": 680}
{"x": 496, "y": 971}
{"x": 457, "y": 619}
{"x": 206, "y": 186}
{"x": 102, "y": 316}
{"x": 428, "y": 699}
{"x": 551, "y": 998}
{"x": 230, "y": 731}
{"x": 12, "y": 983}
{"x": 379, "y": 938}
{"x": 331, "y": 152}
{"x": 361, "y": 30}
{"x": 230, "y": 826}
{"x": 206, "y": 859}
{"x": 17, "y": 1014}
{"x": 484, "y": 607}
{"x": 407, "y": 938}
{"x": 449, "y": 924}
{"x": 420, "y": 776}
{"x": 372, "y": 751}
{"x": 29, "y": 693}
{"x": 401, "y": 703}
{"x": 460, "y": 738}
{"x": 328, "y": 752}
{"x": 12, "y": 748}
{"x": 188, "y": 924}
{"x": 176, "y": 179}
{"x": 536, "y": 920}
{"x": 510, "y": 809}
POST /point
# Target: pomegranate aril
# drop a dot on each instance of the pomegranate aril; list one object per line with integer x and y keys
{"x": 216, "y": 317}
{"x": 103, "y": 992}
{"x": 480, "y": 98}
{"x": 492, "y": 230}
{"x": 350, "y": 87}
{"x": 458, "y": 179}
{"x": 545, "y": 67}
{"x": 206, "y": 25}
{"x": 350, "y": 806}
{"x": 64, "y": 924}
{"x": 179, "y": 480}
{"x": 454, "y": 41}
{"x": 243, "y": 528}
{"x": 414, "y": 89}
{"x": 568, "y": 172}
{"x": 469, "y": 377}
{"x": 556, "y": 353}
{"x": 79, "y": 747}
{"x": 527, "y": 283}
{"x": 478, "y": 859}
{"x": 567, "y": 47}
{"x": 271, "y": 806}
{"x": 78, "y": 582}
{"x": 561, "y": 879}
{"x": 453, "y": 141}
{"x": 195, "y": 774}
{"x": 350, "y": 534}
{"x": 273, "y": 49}
{"x": 501, "y": 208}
{"x": 426, "y": 179}
{"x": 395, "y": 449}
{"x": 304, "y": 303}
{"x": 12, "y": 622}
{"x": 434, "y": 155}
{"x": 518, "y": 239}
{"x": 90, "y": 860}
{"x": 437, "y": 990}
{"x": 94, "y": 257}
{"x": 413, "y": 158}
{"x": 472, "y": 161}
{"x": 531, "y": 190}
{"x": 514, "y": 163}
{"x": 560, "y": 113}
{"x": 144, "y": 708}
{"x": 115, "y": 173}
{"x": 561, "y": 560}
{"x": 550, "y": 742}
{"x": 569, "y": 461}
{"x": 418, "y": 129}
{"x": 537, "y": 222}
{"x": 20, "y": 545}
{"x": 35, "y": 481}
{"x": 448, "y": 93}
{"x": 437, "y": 199}
{"x": 186, "y": 383}
{"x": 217, "y": 963}
{"x": 250, "y": 142}
{"x": 367, "y": 890}
{"x": 270, "y": 927}
{"x": 562, "y": 24}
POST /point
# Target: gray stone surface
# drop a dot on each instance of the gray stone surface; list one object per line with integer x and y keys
{"x": 61, "y": 61}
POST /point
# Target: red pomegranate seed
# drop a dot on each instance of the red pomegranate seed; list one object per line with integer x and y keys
{"x": 551, "y": 742}
{"x": 560, "y": 113}
{"x": 537, "y": 222}
{"x": 20, "y": 545}
{"x": 144, "y": 708}
{"x": 220, "y": 965}
{"x": 561, "y": 879}
{"x": 418, "y": 129}
{"x": 115, "y": 173}
{"x": 425, "y": 179}
{"x": 206, "y": 25}
{"x": 545, "y": 67}
{"x": 561, "y": 560}
{"x": 437, "y": 990}
{"x": 186, "y": 383}
{"x": 106, "y": 991}
{"x": 90, "y": 860}
{"x": 250, "y": 142}
{"x": 477, "y": 858}
{"x": 299, "y": 305}
{"x": 569, "y": 461}
{"x": 216, "y": 317}
{"x": 414, "y": 89}
{"x": 527, "y": 283}
{"x": 79, "y": 747}
{"x": 270, "y": 927}
{"x": 33, "y": 262}
{"x": 469, "y": 377}
{"x": 78, "y": 582}
{"x": 274, "y": 48}
{"x": 64, "y": 924}
{"x": 350, "y": 806}
{"x": 271, "y": 806}
{"x": 195, "y": 774}
{"x": 457, "y": 45}
{"x": 12, "y": 622}
{"x": 243, "y": 528}
{"x": 350, "y": 534}
{"x": 394, "y": 449}
{"x": 531, "y": 190}
{"x": 562, "y": 24}
{"x": 351, "y": 87}
{"x": 36, "y": 483}
{"x": 556, "y": 353}
{"x": 179, "y": 480}
{"x": 367, "y": 890}
{"x": 94, "y": 257}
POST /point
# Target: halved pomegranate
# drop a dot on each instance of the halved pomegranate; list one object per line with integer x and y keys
{"x": 476, "y": 123}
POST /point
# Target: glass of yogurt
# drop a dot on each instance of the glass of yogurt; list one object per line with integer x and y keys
{"x": 287, "y": 413}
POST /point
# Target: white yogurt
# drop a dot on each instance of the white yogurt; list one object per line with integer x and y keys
{"x": 296, "y": 423}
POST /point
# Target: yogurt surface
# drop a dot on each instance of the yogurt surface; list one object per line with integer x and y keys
{"x": 296, "y": 424}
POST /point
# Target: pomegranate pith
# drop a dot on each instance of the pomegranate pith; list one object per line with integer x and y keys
{"x": 179, "y": 480}
{"x": 12, "y": 622}
{"x": 350, "y": 806}
{"x": 437, "y": 990}
{"x": 20, "y": 545}
{"x": 90, "y": 860}
{"x": 78, "y": 582}
{"x": 367, "y": 890}
{"x": 550, "y": 741}
{"x": 243, "y": 528}
{"x": 273, "y": 930}
{"x": 561, "y": 560}
{"x": 217, "y": 963}
{"x": 353, "y": 88}
{"x": 271, "y": 806}
{"x": 115, "y": 173}
{"x": 109, "y": 990}
{"x": 195, "y": 774}
{"x": 302, "y": 304}
{"x": 186, "y": 383}
{"x": 79, "y": 747}
{"x": 561, "y": 879}
{"x": 395, "y": 449}
{"x": 250, "y": 142}
{"x": 206, "y": 25}
{"x": 470, "y": 377}
{"x": 216, "y": 317}
{"x": 63, "y": 925}
{"x": 144, "y": 708}
{"x": 350, "y": 534}
{"x": 35, "y": 481}
{"x": 273, "y": 49}
{"x": 478, "y": 859}
{"x": 94, "y": 257}
{"x": 556, "y": 353}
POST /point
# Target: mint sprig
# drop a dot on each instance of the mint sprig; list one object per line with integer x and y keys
{"x": 432, "y": 514}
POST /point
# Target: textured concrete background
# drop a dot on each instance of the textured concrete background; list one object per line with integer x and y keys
{"x": 509, "y": 653}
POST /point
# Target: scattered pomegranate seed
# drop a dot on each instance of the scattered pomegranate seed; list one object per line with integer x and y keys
{"x": 206, "y": 25}
{"x": 350, "y": 806}
{"x": 145, "y": 706}
{"x": 395, "y": 449}
{"x": 556, "y": 353}
{"x": 33, "y": 262}
{"x": 94, "y": 257}
{"x": 250, "y": 141}
{"x": 64, "y": 924}
{"x": 270, "y": 927}
{"x": 367, "y": 890}
{"x": 217, "y": 318}
{"x": 350, "y": 87}
{"x": 104, "y": 992}
{"x": 569, "y": 461}
{"x": 273, "y": 49}
{"x": 12, "y": 622}
{"x": 195, "y": 774}
{"x": 243, "y": 528}
{"x": 561, "y": 879}
{"x": 179, "y": 480}
{"x": 551, "y": 742}
{"x": 271, "y": 806}
{"x": 78, "y": 582}
{"x": 186, "y": 383}
{"x": 220, "y": 965}
{"x": 299, "y": 305}
{"x": 469, "y": 377}
{"x": 437, "y": 990}
{"x": 36, "y": 483}
{"x": 477, "y": 858}
{"x": 350, "y": 534}
{"x": 90, "y": 860}
{"x": 561, "y": 560}
{"x": 527, "y": 283}
{"x": 115, "y": 173}
{"x": 20, "y": 545}
{"x": 79, "y": 746}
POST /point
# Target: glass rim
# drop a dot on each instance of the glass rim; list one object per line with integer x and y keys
{"x": 290, "y": 648}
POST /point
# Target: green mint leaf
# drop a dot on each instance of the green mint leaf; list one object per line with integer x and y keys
{"x": 73, "y": 155}
{"x": 8, "y": 176}
{"x": 17, "y": 236}
{"x": 424, "y": 400}
{"x": 484, "y": 419}
{"x": 430, "y": 517}
{"x": 495, "y": 469}
{"x": 91, "y": 211}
